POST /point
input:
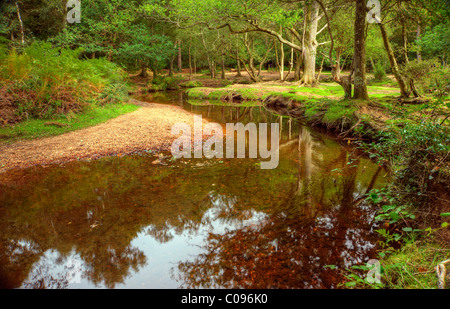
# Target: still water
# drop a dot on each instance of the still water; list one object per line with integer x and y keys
{"x": 148, "y": 221}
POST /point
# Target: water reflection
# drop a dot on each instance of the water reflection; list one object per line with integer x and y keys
{"x": 196, "y": 224}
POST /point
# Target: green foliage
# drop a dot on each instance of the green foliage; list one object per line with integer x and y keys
{"x": 145, "y": 50}
{"x": 435, "y": 42}
{"x": 429, "y": 76}
{"x": 43, "y": 81}
{"x": 379, "y": 73}
{"x": 192, "y": 84}
{"x": 166, "y": 83}
{"x": 417, "y": 152}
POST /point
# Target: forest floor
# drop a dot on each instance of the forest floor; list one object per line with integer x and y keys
{"x": 145, "y": 129}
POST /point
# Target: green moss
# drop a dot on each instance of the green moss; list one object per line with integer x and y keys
{"x": 336, "y": 112}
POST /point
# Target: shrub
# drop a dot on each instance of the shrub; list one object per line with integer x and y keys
{"x": 379, "y": 73}
{"x": 166, "y": 83}
{"x": 418, "y": 155}
{"x": 43, "y": 81}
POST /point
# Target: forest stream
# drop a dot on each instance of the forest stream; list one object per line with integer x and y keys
{"x": 148, "y": 221}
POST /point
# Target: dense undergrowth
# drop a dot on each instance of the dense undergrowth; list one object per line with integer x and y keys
{"x": 44, "y": 82}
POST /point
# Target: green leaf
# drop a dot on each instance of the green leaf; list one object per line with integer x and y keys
{"x": 445, "y": 214}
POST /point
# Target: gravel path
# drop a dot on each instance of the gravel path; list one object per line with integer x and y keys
{"x": 148, "y": 128}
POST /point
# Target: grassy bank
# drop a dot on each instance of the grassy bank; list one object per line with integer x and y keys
{"x": 261, "y": 91}
{"x": 38, "y": 128}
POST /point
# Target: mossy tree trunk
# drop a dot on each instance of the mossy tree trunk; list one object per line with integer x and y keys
{"x": 359, "y": 56}
{"x": 393, "y": 62}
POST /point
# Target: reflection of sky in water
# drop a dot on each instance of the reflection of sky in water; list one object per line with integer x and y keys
{"x": 162, "y": 258}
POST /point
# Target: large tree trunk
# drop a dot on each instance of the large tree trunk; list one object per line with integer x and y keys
{"x": 310, "y": 45}
{"x": 359, "y": 57}
{"x": 309, "y": 66}
{"x": 344, "y": 81}
{"x": 393, "y": 62}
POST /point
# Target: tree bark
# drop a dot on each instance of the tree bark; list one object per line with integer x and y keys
{"x": 419, "y": 30}
{"x": 298, "y": 66}
{"x": 190, "y": 62}
{"x": 21, "y": 24}
{"x": 393, "y": 62}
{"x": 310, "y": 45}
{"x": 223, "y": 66}
{"x": 239, "y": 74}
{"x": 180, "y": 64}
{"x": 280, "y": 63}
{"x": 359, "y": 57}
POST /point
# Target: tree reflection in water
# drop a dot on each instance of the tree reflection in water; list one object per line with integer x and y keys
{"x": 286, "y": 224}
{"x": 302, "y": 235}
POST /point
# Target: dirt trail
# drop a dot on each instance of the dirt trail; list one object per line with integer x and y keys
{"x": 148, "y": 128}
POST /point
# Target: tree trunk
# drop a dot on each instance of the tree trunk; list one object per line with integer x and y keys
{"x": 405, "y": 41}
{"x": 21, "y": 24}
{"x": 291, "y": 62}
{"x": 345, "y": 82}
{"x": 359, "y": 57}
{"x": 190, "y": 63}
{"x": 393, "y": 62}
{"x": 338, "y": 63}
{"x": 372, "y": 63}
{"x": 320, "y": 71}
{"x": 239, "y": 74}
{"x": 298, "y": 66}
{"x": 195, "y": 65}
{"x": 309, "y": 67}
{"x": 171, "y": 66}
{"x": 310, "y": 45}
{"x": 223, "y": 67}
{"x": 212, "y": 68}
{"x": 419, "y": 55}
{"x": 281, "y": 62}
{"x": 180, "y": 65}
